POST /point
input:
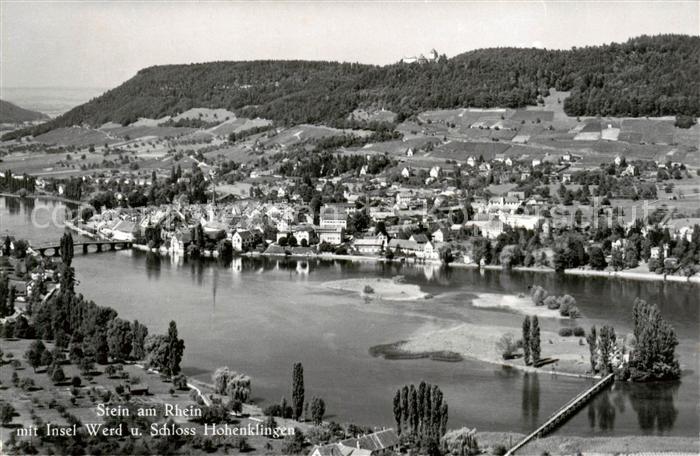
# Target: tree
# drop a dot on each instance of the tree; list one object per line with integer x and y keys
{"x": 654, "y": 355}
{"x": 139, "y": 333}
{"x": 506, "y": 346}
{"x": 446, "y": 256}
{"x": 119, "y": 339}
{"x": 397, "y": 411}
{"x": 7, "y": 412}
{"x": 538, "y": 295}
{"x": 592, "y": 340}
{"x": 535, "y": 340}
{"x": 617, "y": 261}
{"x": 405, "y": 399}
{"x": 34, "y": 354}
{"x": 66, "y": 248}
{"x": 220, "y": 379}
{"x": 597, "y": 258}
{"x": 298, "y": 390}
{"x": 46, "y": 358}
{"x": 606, "y": 348}
{"x": 631, "y": 256}
{"x": 176, "y": 348}
{"x": 57, "y": 374}
{"x": 426, "y": 411}
{"x": 561, "y": 259}
{"x": 526, "y": 340}
{"x": 318, "y": 410}
{"x": 294, "y": 443}
{"x": 101, "y": 348}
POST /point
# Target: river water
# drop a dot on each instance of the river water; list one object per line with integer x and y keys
{"x": 259, "y": 316}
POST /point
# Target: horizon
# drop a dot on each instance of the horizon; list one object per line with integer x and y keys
{"x": 85, "y": 87}
{"x": 101, "y": 45}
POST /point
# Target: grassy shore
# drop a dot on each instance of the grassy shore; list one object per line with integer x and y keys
{"x": 468, "y": 340}
{"x": 520, "y": 304}
{"x": 377, "y": 288}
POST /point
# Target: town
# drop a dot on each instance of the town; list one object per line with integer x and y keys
{"x": 495, "y": 252}
{"x": 552, "y": 212}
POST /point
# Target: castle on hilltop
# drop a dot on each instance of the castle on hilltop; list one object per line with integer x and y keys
{"x": 421, "y": 59}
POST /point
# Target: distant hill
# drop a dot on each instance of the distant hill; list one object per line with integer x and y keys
{"x": 11, "y": 113}
{"x": 645, "y": 76}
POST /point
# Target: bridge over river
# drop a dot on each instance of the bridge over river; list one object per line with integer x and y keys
{"x": 54, "y": 249}
{"x": 564, "y": 413}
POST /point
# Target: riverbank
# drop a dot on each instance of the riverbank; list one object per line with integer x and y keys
{"x": 43, "y": 196}
{"x": 633, "y": 444}
{"x": 627, "y": 275}
{"x": 569, "y": 356}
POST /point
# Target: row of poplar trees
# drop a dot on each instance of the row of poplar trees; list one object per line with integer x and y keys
{"x": 531, "y": 340}
{"x": 420, "y": 411}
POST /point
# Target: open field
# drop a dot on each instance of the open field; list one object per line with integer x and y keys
{"x": 238, "y": 125}
{"x": 206, "y": 115}
{"x": 301, "y": 133}
{"x": 457, "y": 150}
{"x": 76, "y": 136}
{"x": 148, "y": 131}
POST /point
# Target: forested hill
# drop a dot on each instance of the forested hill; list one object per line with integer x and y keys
{"x": 11, "y": 113}
{"x": 646, "y": 76}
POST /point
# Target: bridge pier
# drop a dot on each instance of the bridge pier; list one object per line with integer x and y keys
{"x": 85, "y": 248}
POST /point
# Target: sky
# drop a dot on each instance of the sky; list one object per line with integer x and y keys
{"x": 101, "y": 44}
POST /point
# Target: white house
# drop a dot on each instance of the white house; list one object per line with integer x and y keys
{"x": 370, "y": 245}
{"x": 441, "y": 235}
{"x": 242, "y": 240}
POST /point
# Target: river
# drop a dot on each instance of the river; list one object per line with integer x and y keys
{"x": 259, "y": 316}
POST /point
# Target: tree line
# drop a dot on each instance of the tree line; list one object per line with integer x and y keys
{"x": 420, "y": 413}
{"x": 91, "y": 333}
{"x": 645, "y": 76}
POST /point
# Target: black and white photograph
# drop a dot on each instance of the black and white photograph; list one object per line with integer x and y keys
{"x": 350, "y": 228}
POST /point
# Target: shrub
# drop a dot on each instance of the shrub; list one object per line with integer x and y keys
{"x": 499, "y": 449}
{"x": 76, "y": 381}
{"x": 579, "y": 332}
{"x": 507, "y": 346}
{"x": 566, "y": 332}
{"x": 551, "y": 302}
{"x": 368, "y": 289}
{"x": 574, "y": 312}
{"x": 683, "y": 121}
{"x": 180, "y": 382}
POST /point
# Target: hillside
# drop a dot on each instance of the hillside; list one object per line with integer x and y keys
{"x": 646, "y": 76}
{"x": 11, "y": 113}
